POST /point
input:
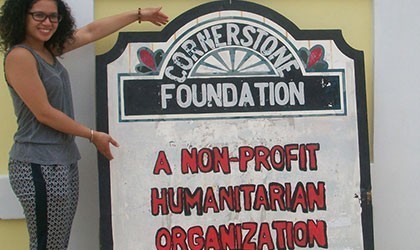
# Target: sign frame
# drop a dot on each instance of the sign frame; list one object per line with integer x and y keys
{"x": 102, "y": 119}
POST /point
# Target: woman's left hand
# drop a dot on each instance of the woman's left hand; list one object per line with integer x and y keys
{"x": 154, "y": 15}
{"x": 102, "y": 141}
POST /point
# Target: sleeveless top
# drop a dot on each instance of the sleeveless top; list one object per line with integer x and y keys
{"x": 33, "y": 141}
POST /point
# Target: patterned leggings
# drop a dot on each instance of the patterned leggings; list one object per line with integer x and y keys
{"x": 49, "y": 196}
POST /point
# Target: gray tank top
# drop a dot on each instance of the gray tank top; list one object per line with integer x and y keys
{"x": 38, "y": 143}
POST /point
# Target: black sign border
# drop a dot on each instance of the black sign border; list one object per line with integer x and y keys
{"x": 124, "y": 38}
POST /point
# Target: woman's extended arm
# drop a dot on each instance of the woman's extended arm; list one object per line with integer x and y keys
{"x": 22, "y": 75}
{"x": 103, "y": 27}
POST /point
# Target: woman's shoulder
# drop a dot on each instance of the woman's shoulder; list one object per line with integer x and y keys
{"x": 19, "y": 53}
{"x": 19, "y": 50}
{"x": 20, "y": 57}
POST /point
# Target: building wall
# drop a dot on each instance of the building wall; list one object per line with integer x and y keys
{"x": 306, "y": 14}
{"x": 396, "y": 173}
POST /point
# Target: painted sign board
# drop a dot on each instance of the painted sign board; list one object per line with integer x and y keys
{"x": 238, "y": 131}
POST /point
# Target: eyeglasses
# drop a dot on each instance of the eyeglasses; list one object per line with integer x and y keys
{"x": 41, "y": 16}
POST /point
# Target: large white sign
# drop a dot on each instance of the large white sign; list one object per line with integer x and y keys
{"x": 238, "y": 131}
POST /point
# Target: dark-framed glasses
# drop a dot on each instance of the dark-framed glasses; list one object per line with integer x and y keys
{"x": 41, "y": 16}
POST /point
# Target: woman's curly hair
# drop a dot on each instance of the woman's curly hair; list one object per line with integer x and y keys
{"x": 13, "y": 15}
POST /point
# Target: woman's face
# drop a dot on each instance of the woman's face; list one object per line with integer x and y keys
{"x": 41, "y": 21}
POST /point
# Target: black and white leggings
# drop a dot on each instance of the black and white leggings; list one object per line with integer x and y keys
{"x": 49, "y": 196}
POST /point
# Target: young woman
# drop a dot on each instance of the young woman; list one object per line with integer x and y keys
{"x": 43, "y": 159}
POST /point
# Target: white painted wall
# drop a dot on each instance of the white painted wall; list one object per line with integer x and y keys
{"x": 81, "y": 66}
{"x": 10, "y": 207}
{"x": 396, "y": 171}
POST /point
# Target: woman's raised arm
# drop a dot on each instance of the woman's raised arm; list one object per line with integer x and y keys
{"x": 103, "y": 27}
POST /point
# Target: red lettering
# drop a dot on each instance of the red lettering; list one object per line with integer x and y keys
{"x": 261, "y": 198}
{"x": 205, "y": 160}
{"x": 288, "y": 195}
{"x": 302, "y": 158}
{"x": 189, "y": 161}
{"x": 316, "y": 196}
{"x": 299, "y": 198}
{"x": 176, "y": 207}
{"x": 226, "y": 195}
{"x": 317, "y": 233}
{"x": 246, "y": 154}
{"x": 289, "y": 235}
{"x": 193, "y": 200}
{"x": 179, "y": 238}
{"x": 227, "y": 236}
{"x": 261, "y": 158}
{"x": 247, "y": 190}
{"x": 163, "y": 240}
{"x": 290, "y": 156}
{"x": 238, "y": 206}
{"x": 301, "y": 234}
{"x": 162, "y": 164}
{"x": 313, "y": 161}
{"x": 252, "y": 230}
{"x": 221, "y": 159}
{"x": 281, "y": 235}
{"x": 280, "y": 227}
{"x": 195, "y": 238}
{"x": 210, "y": 201}
{"x": 277, "y": 152}
{"x": 159, "y": 203}
{"x": 217, "y": 160}
{"x": 276, "y": 196}
{"x": 238, "y": 231}
{"x": 212, "y": 239}
{"x": 264, "y": 237}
